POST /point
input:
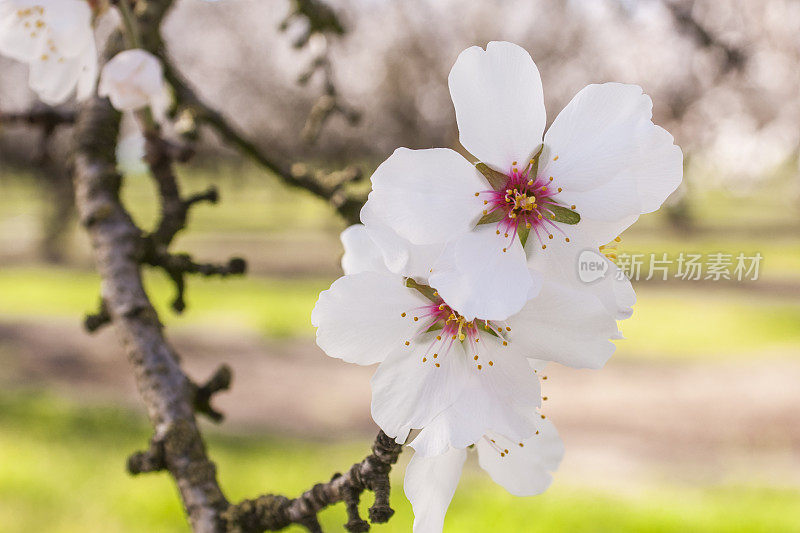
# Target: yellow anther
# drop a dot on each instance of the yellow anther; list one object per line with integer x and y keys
{"x": 567, "y": 239}
{"x": 407, "y": 343}
{"x": 549, "y": 235}
{"x": 555, "y": 158}
{"x": 572, "y": 206}
{"x": 438, "y": 337}
{"x": 476, "y": 357}
{"x": 437, "y": 365}
{"x": 403, "y": 315}
{"x": 435, "y": 355}
{"x": 505, "y": 343}
{"x": 544, "y": 246}
{"x": 416, "y": 318}
{"x": 491, "y": 363}
{"x": 480, "y": 367}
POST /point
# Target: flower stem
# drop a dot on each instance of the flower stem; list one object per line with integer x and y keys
{"x": 132, "y": 36}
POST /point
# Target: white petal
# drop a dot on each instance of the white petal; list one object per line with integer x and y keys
{"x": 407, "y": 392}
{"x": 610, "y": 159}
{"x": 131, "y": 146}
{"x": 502, "y": 396}
{"x": 132, "y": 79}
{"x": 477, "y": 278}
{"x": 566, "y": 325}
{"x": 54, "y": 82}
{"x": 400, "y": 255}
{"x": 659, "y": 168}
{"x": 561, "y": 262}
{"x": 427, "y": 196}
{"x": 87, "y": 79}
{"x": 524, "y": 470}
{"x": 16, "y": 41}
{"x": 359, "y": 318}
{"x": 70, "y": 25}
{"x": 360, "y": 252}
{"x": 497, "y": 94}
{"x": 430, "y": 484}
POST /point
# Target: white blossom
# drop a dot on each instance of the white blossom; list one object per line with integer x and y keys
{"x": 523, "y": 468}
{"x": 56, "y": 39}
{"x": 431, "y": 357}
{"x": 132, "y": 80}
{"x": 601, "y": 164}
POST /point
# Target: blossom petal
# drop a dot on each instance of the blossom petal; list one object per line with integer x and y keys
{"x": 400, "y": 255}
{"x": 408, "y": 392}
{"x": 610, "y": 159}
{"x": 430, "y": 484}
{"x": 562, "y": 260}
{"x": 360, "y": 252}
{"x": 522, "y": 470}
{"x": 53, "y": 81}
{"x": 501, "y": 396}
{"x": 564, "y": 324}
{"x": 499, "y": 103}
{"x": 359, "y": 318}
{"x": 484, "y": 275}
{"x": 426, "y": 196}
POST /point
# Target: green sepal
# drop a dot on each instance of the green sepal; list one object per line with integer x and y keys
{"x": 494, "y": 216}
{"x": 435, "y": 327}
{"x": 497, "y": 180}
{"x": 523, "y": 231}
{"x": 562, "y": 214}
{"x": 427, "y": 292}
{"x": 535, "y": 167}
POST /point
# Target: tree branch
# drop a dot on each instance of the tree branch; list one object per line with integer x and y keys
{"x": 329, "y": 186}
{"x": 272, "y": 512}
{"x": 121, "y": 249}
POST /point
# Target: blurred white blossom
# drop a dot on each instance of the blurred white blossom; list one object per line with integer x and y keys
{"x": 56, "y": 39}
{"x": 134, "y": 79}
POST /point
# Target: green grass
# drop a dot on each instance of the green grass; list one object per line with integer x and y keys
{"x": 63, "y": 471}
{"x": 667, "y": 322}
{"x": 274, "y": 307}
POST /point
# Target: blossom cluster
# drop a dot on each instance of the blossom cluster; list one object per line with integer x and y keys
{"x": 461, "y": 283}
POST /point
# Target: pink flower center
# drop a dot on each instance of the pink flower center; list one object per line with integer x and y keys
{"x": 525, "y": 203}
{"x": 447, "y": 327}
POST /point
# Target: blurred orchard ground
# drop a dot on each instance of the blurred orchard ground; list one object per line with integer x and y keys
{"x": 692, "y": 426}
